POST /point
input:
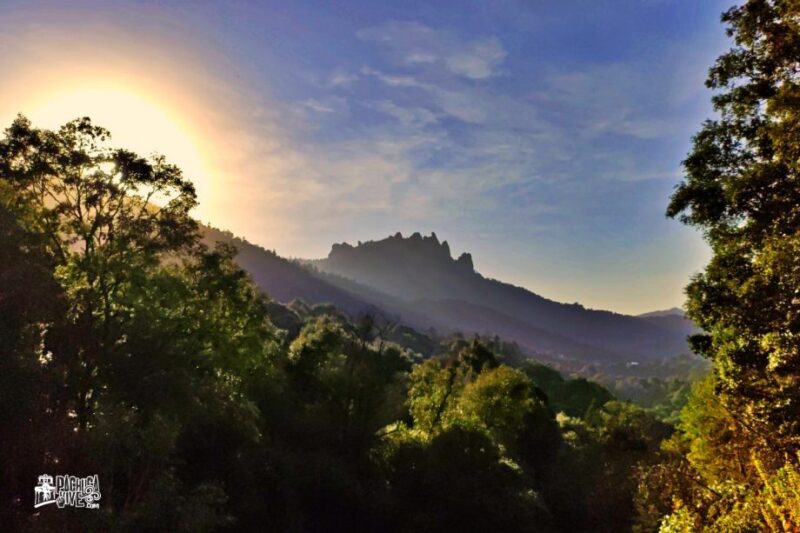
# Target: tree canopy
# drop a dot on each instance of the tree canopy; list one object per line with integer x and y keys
{"x": 735, "y": 454}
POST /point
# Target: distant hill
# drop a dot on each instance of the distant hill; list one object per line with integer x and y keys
{"x": 674, "y": 311}
{"x": 472, "y": 318}
{"x": 414, "y": 281}
{"x": 673, "y": 319}
{"x": 421, "y": 271}
{"x": 286, "y": 280}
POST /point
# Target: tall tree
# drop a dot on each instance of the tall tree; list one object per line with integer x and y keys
{"x": 732, "y": 464}
{"x": 742, "y": 189}
{"x": 107, "y": 214}
{"x": 135, "y": 342}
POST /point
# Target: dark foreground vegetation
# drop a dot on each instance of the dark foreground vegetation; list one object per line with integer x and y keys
{"x": 131, "y": 351}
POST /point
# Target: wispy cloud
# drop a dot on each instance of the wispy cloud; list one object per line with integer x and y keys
{"x": 316, "y": 105}
{"x": 413, "y": 43}
{"x": 341, "y": 78}
{"x": 412, "y": 116}
{"x": 619, "y": 99}
{"x": 479, "y": 61}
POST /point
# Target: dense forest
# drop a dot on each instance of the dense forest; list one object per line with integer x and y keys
{"x": 132, "y": 350}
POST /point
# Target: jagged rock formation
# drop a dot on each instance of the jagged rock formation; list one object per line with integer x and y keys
{"x": 421, "y": 269}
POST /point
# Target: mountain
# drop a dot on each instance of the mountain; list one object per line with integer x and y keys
{"x": 472, "y": 318}
{"x": 672, "y": 319}
{"x": 673, "y": 311}
{"x": 416, "y": 282}
{"x": 420, "y": 272}
{"x": 285, "y": 280}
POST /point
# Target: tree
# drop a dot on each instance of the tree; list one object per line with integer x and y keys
{"x": 433, "y": 394}
{"x": 137, "y": 343}
{"x": 740, "y": 432}
{"x": 504, "y": 404}
{"x": 742, "y": 188}
{"x": 458, "y": 482}
{"x": 31, "y": 420}
{"x": 106, "y": 215}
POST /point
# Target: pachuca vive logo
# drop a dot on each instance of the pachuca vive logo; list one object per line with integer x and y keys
{"x": 65, "y": 491}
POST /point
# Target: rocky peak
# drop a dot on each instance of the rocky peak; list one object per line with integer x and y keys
{"x": 415, "y": 250}
{"x": 465, "y": 261}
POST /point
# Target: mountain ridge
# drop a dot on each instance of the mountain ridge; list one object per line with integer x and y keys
{"x": 415, "y": 281}
{"x": 672, "y": 311}
{"x": 420, "y": 267}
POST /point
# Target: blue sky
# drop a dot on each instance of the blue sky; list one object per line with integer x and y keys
{"x": 542, "y": 136}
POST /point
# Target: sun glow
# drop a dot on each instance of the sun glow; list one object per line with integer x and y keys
{"x": 166, "y": 92}
{"x": 137, "y": 122}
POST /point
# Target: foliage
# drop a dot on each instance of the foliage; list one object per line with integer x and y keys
{"x": 575, "y": 397}
{"x": 151, "y": 328}
{"x": 741, "y": 190}
{"x": 732, "y": 466}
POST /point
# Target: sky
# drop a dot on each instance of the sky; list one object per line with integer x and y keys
{"x": 542, "y": 136}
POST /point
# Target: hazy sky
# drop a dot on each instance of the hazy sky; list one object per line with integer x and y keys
{"x": 543, "y": 136}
